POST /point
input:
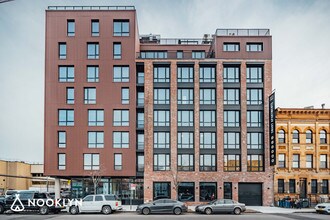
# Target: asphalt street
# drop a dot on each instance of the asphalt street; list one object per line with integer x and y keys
{"x": 187, "y": 216}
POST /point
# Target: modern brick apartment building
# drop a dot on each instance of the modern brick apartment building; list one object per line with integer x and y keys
{"x": 179, "y": 118}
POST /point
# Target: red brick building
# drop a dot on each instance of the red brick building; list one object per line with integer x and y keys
{"x": 181, "y": 118}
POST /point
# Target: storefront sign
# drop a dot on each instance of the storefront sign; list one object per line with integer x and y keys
{"x": 272, "y": 140}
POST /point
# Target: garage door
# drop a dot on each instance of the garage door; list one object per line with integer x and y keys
{"x": 250, "y": 193}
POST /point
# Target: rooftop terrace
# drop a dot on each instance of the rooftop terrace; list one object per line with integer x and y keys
{"x": 90, "y": 8}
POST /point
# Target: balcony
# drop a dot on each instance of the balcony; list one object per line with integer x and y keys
{"x": 155, "y": 39}
{"x": 242, "y": 32}
{"x": 90, "y": 8}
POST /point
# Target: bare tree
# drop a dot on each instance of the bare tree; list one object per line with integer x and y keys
{"x": 176, "y": 182}
{"x": 96, "y": 176}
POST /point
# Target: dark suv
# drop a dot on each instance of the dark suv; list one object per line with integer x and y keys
{"x": 29, "y": 201}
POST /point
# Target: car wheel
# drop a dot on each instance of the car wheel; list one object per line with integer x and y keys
{"x": 237, "y": 211}
{"x": 208, "y": 211}
{"x": 177, "y": 211}
{"x": 106, "y": 210}
{"x": 44, "y": 210}
{"x": 74, "y": 210}
{"x": 146, "y": 211}
{"x": 2, "y": 209}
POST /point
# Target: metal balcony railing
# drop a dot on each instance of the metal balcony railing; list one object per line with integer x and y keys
{"x": 90, "y": 8}
{"x": 155, "y": 39}
{"x": 242, "y": 32}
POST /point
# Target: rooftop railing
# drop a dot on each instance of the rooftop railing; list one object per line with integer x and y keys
{"x": 155, "y": 39}
{"x": 90, "y": 8}
{"x": 242, "y": 32}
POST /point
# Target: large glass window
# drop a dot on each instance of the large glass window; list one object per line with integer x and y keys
{"x": 70, "y": 28}
{"x": 254, "y": 118}
{"x": 92, "y": 73}
{"x": 206, "y": 74}
{"x": 309, "y": 137}
{"x": 281, "y": 161}
{"x": 140, "y": 141}
{"x": 161, "y": 118}
{"x": 95, "y": 139}
{"x": 66, "y": 117}
{"x": 118, "y": 161}
{"x": 323, "y": 161}
{"x": 185, "y": 140}
{"x": 62, "y": 51}
{"x": 185, "y": 74}
{"x": 162, "y": 96}
{"x": 93, "y": 51}
{"x": 186, "y": 192}
{"x": 231, "y": 47}
{"x": 120, "y": 139}
{"x": 117, "y": 50}
{"x": 292, "y": 186}
{"x": 95, "y": 117}
{"x": 323, "y": 137}
{"x": 254, "y": 97}
{"x": 198, "y": 54}
{"x": 232, "y": 140}
{"x": 231, "y": 119}
{"x": 90, "y": 95}
{"x": 140, "y": 77}
{"x": 120, "y": 117}
{"x": 95, "y": 28}
{"x": 231, "y": 97}
{"x": 121, "y": 73}
{"x": 185, "y": 96}
{"x": 121, "y": 28}
{"x": 295, "y": 161}
{"x": 281, "y": 136}
{"x": 207, "y": 191}
{"x": 69, "y": 95}
{"x": 91, "y": 161}
{"x": 161, "y": 74}
{"x": 207, "y": 162}
{"x": 207, "y": 140}
{"x": 161, "y": 190}
{"x": 207, "y": 96}
{"x": 153, "y": 54}
{"x": 161, "y": 139}
{"x": 314, "y": 186}
{"x": 66, "y": 73}
{"x": 140, "y": 163}
{"x": 255, "y": 163}
{"x": 185, "y": 118}
{"x": 255, "y": 140}
{"x": 309, "y": 161}
{"x": 161, "y": 162}
{"x": 124, "y": 96}
{"x": 61, "y": 161}
{"x": 254, "y": 47}
{"x": 140, "y": 119}
{"x": 254, "y": 74}
{"x": 325, "y": 187}
{"x": 231, "y": 74}
{"x": 232, "y": 163}
{"x": 207, "y": 118}
{"x": 185, "y": 162}
{"x": 61, "y": 135}
{"x": 295, "y": 137}
{"x": 280, "y": 186}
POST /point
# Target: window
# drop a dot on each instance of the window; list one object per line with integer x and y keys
{"x": 232, "y": 140}
{"x": 161, "y": 139}
{"x": 325, "y": 187}
{"x": 92, "y": 73}
{"x": 185, "y": 118}
{"x": 88, "y": 199}
{"x": 93, "y": 51}
{"x": 95, "y": 139}
{"x": 161, "y": 118}
{"x": 323, "y": 161}
{"x": 309, "y": 137}
{"x": 255, "y": 163}
{"x": 140, "y": 163}
{"x": 254, "y": 118}
{"x": 207, "y": 140}
{"x": 309, "y": 161}
{"x": 61, "y": 137}
{"x": 61, "y": 161}
{"x": 98, "y": 198}
{"x": 140, "y": 141}
{"x": 121, "y": 73}
{"x": 124, "y": 96}
{"x": 281, "y": 161}
{"x": 66, "y": 73}
{"x": 207, "y": 96}
{"x": 254, "y": 97}
{"x": 62, "y": 51}
{"x": 185, "y": 96}
{"x": 207, "y": 119}
{"x": 254, "y": 74}
{"x": 198, "y": 54}
{"x": 231, "y": 74}
{"x": 231, "y": 47}
{"x": 140, "y": 119}
{"x": 140, "y": 78}
{"x": 69, "y": 95}
{"x": 91, "y": 161}
{"x": 70, "y": 28}
{"x": 161, "y": 190}
{"x": 185, "y": 140}
{"x": 185, "y": 74}
{"x": 161, "y": 162}
{"x": 121, "y": 28}
{"x": 207, "y": 162}
{"x": 255, "y": 140}
{"x": 120, "y": 139}
{"x": 280, "y": 186}
{"x": 161, "y": 96}
{"x": 227, "y": 190}
{"x": 179, "y": 54}
{"x": 185, "y": 162}
{"x": 295, "y": 137}
{"x": 232, "y": 162}
{"x": 90, "y": 95}
{"x": 323, "y": 137}
{"x": 281, "y": 136}
{"x": 207, "y": 191}
{"x": 292, "y": 186}
{"x": 118, "y": 162}
{"x": 140, "y": 98}
{"x": 66, "y": 117}
{"x": 231, "y": 96}
{"x": 186, "y": 192}
{"x": 254, "y": 47}
{"x": 295, "y": 161}
{"x": 314, "y": 186}
{"x": 206, "y": 74}
{"x": 120, "y": 117}
{"x": 161, "y": 74}
{"x": 117, "y": 50}
{"x": 231, "y": 119}
{"x": 95, "y": 28}
{"x": 153, "y": 54}
{"x": 95, "y": 118}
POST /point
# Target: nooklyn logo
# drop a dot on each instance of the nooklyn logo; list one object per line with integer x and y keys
{"x": 17, "y": 207}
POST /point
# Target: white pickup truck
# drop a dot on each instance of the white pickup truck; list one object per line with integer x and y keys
{"x": 96, "y": 203}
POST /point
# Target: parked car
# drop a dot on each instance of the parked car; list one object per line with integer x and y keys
{"x": 323, "y": 208}
{"x": 162, "y": 206}
{"x": 96, "y": 203}
{"x": 221, "y": 206}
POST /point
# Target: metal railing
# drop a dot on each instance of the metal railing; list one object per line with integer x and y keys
{"x": 155, "y": 39}
{"x": 242, "y": 32}
{"x": 174, "y": 55}
{"x": 90, "y": 8}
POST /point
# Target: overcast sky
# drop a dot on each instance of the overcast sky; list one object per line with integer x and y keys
{"x": 301, "y": 53}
